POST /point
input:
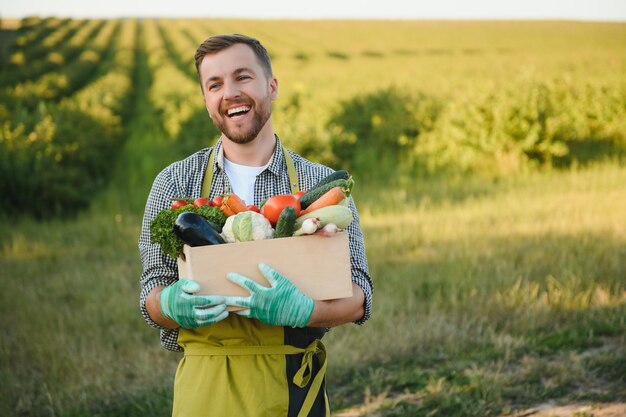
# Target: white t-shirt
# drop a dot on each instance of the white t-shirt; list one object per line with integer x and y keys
{"x": 242, "y": 179}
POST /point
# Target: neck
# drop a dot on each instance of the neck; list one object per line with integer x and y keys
{"x": 255, "y": 153}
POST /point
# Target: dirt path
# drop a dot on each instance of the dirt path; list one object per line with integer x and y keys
{"x": 542, "y": 410}
{"x": 574, "y": 410}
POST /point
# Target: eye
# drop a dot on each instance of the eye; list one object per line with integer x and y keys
{"x": 214, "y": 86}
{"x": 243, "y": 77}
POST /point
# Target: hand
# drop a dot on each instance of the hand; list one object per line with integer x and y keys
{"x": 282, "y": 304}
{"x": 178, "y": 303}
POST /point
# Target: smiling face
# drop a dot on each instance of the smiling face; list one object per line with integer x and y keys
{"x": 238, "y": 94}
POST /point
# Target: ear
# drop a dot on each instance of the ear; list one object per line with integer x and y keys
{"x": 273, "y": 86}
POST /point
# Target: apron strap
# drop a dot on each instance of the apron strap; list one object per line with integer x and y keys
{"x": 208, "y": 175}
{"x": 291, "y": 171}
{"x": 301, "y": 378}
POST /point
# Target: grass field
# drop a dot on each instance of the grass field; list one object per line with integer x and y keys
{"x": 493, "y": 293}
{"x": 488, "y": 297}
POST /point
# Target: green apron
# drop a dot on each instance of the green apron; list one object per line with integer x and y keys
{"x": 237, "y": 367}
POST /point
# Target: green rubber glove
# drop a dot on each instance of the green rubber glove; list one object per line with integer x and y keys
{"x": 282, "y": 304}
{"x": 179, "y": 303}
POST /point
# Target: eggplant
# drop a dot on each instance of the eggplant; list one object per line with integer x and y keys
{"x": 195, "y": 230}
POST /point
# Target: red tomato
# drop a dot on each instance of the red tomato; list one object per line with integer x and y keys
{"x": 252, "y": 207}
{"x": 200, "y": 201}
{"x": 176, "y": 204}
{"x": 217, "y": 201}
{"x": 299, "y": 194}
{"x": 275, "y": 205}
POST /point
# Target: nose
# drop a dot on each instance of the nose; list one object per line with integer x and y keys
{"x": 231, "y": 91}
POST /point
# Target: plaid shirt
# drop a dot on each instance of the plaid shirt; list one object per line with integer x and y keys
{"x": 184, "y": 179}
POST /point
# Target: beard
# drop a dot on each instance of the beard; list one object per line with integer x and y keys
{"x": 241, "y": 134}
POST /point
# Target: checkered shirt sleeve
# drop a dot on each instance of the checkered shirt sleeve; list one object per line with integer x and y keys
{"x": 184, "y": 179}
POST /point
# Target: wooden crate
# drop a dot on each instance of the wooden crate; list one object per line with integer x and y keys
{"x": 318, "y": 265}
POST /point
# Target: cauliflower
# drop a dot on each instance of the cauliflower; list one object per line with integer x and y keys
{"x": 247, "y": 226}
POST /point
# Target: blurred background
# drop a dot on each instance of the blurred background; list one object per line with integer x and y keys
{"x": 487, "y": 141}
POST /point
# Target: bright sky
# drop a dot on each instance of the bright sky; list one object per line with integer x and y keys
{"x": 614, "y": 10}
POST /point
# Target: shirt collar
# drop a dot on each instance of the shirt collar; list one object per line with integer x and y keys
{"x": 277, "y": 164}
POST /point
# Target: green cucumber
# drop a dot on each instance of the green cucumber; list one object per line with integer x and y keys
{"x": 285, "y": 225}
{"x": 319, "y": 190}
{"x": 342, "y": 174}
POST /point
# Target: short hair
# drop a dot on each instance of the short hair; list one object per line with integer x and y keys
{"x": 218, "y": 43}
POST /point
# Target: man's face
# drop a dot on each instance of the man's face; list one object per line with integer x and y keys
{"x": 237, "y": 93}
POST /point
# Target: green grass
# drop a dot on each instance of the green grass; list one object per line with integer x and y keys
{"x": 488, "y": 296}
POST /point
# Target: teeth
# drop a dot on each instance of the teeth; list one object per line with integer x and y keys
{"x": 238, "y": 110}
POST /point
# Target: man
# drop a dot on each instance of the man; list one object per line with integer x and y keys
{"x": 265, "y": 360}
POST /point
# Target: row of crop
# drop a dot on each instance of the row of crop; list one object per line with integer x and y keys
{"x": 53, "y": 52}
{"x": 179, "y": 46}
{"x": 60, "y": 153}
{"x": 32, "y": 30}
{"x": 40, "y": 40}
{"x": 61, "y": 83}
{"x": 520, "y": 126}
{"x": 174, "y": 93}
{"x": 106, "y": 98}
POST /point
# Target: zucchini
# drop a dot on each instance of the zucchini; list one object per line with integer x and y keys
{"x": 195, "y": 230}
{"x": 286, "y": 223}
{"x": 337, "y": 214}
{"x": 319, "y": 190}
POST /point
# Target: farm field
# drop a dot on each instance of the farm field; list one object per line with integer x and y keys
{"x": 490, "y": 181}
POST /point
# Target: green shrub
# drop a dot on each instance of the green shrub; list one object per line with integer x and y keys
{"x": 380, "y": 129}
{"x": 53, "y": 160}
{"x": 517, "y": 127}
{"x": 528, "y": 124}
